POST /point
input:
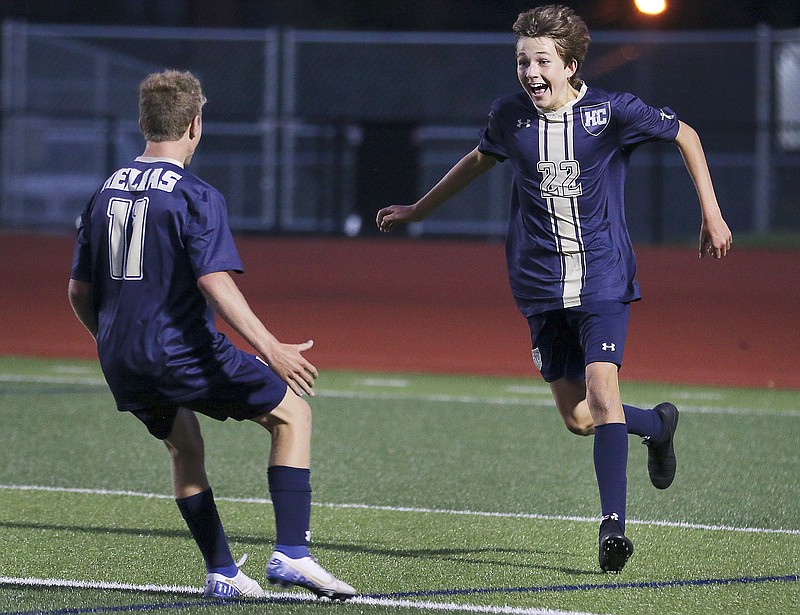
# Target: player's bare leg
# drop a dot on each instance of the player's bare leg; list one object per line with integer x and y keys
{"x": 602, "y": 393}
{"x": 187, "y": 455}
{"x": 570, "y": 398}
{"x": 290, "y": 427}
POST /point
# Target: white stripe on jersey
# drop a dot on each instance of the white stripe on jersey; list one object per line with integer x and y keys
{"x": 560, "y": 190}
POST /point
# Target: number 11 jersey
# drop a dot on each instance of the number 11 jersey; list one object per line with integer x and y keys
{"x": 143, "y": 240}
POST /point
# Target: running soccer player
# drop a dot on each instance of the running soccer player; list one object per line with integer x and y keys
{"x": 569, "y": 255}
{"x": 150, "y": 268}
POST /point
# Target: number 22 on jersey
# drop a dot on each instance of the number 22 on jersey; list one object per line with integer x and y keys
{"x": 560, "y": 180}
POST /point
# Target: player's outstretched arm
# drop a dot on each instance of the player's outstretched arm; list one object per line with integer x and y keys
{"x": 715, "y": 236}
{"x": 461, "y": 175}
{"x": 285, "y": 359}
{"x": 82, "y": 302}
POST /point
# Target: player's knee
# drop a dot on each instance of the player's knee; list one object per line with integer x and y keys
{"x": 293, "y": 412}
{"x": 579, "y": 428}
{"x": 602, "y": 393}
{"x": 603, "y": 408}
{"x": 576, "y": 416}
{"x": 301, "y": 415}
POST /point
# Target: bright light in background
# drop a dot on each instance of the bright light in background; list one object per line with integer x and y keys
{"x": 651, "y": 7}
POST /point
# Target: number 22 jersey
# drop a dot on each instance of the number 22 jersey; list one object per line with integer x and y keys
{"x": 568, "y": 242}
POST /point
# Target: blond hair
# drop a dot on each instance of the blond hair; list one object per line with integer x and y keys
{"x": 168, "y": 102}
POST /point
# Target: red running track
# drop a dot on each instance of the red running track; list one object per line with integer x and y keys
{"x": 392, "y": 304}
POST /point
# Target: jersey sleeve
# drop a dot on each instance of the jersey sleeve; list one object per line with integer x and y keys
{"x": 207, "y": 235}
{"x": 82, "y": 253}
{"x": 639, "y": 122}
{"x": 492, "y": 141}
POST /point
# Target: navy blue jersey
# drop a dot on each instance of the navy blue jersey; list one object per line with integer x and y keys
{"x": 144, "y": 238}
{"x": 568, "y": 241}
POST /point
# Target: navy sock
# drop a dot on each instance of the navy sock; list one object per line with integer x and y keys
{"x": 645, "y": 423}
{"x": 200, "y": 513}
{"x": 610, "y": 466}
{"x": 290, "y": 490}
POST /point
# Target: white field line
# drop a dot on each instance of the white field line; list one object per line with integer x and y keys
{"x": 442, "y": 398}
{"x": 160, "y": 589}
{"x": 417, "y": 510}
{"x": 537, "y": 403}
{"x": 78, "y": 380}
{"x": 425, "y": 605}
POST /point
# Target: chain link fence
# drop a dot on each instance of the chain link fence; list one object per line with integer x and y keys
{"x": 314, "y": 131}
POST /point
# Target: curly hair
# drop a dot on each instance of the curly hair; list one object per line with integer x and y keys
{"x": 563, "y": 25}
{"x": 168, "y": 102}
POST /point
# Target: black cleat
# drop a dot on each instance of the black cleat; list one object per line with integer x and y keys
{"x": 615, "y": 548}
{"x": 661, "y": 462}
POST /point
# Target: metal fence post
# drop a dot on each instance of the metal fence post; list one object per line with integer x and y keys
{"x": 762, "y": 159}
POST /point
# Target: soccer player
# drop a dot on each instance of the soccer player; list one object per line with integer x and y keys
{"x": 151, "y": 267}
{"x": 570, "y": 261}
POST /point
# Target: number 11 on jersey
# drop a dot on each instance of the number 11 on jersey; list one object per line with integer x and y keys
{"x": 125, "y": 256}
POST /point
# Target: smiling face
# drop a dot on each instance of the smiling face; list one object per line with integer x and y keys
{"x": 543, "y": 74}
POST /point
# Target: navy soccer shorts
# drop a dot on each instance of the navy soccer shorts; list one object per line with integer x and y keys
{"x": 565, "y": 341}
{"x": 251, "y": 390}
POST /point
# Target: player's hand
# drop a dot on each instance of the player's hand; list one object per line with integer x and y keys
{"x": 715, "y": 238}
{"x": 287, "y": 361}
{"x": 389, "y": 216}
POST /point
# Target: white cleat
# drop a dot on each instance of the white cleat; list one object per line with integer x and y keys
{"x": 306, "y": 572}
{"x": 240, "y": 586}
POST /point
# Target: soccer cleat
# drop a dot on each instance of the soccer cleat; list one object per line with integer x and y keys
{"x": 615, "y": 548}
{"x": 240, "y": 586}
{"x": 305, "y": 572}
{"x": 661, "y": 462}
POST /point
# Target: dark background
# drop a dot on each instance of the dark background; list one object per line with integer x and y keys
{"x": 430, "y": 15}
{"x": 386, "y": 166}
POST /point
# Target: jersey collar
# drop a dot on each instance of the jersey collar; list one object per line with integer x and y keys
{"x": 156, "y": 159}
{"x": 561, "y": 111}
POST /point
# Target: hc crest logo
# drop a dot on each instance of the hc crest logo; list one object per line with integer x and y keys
{"x": 537, "y": 358}
{"x": 595, "y": 118}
